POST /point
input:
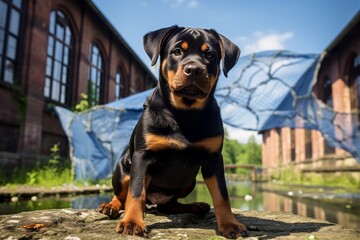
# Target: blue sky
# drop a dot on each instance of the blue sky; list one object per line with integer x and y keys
{"x": 303, "y": 26}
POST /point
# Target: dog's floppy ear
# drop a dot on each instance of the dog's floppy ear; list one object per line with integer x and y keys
{"x": 153, "y": 42}
{"x": 230, "y": 53}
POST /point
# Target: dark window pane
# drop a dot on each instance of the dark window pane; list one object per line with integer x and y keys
{"x": 57, "y": 71}
{"x": 60, "y": 14}
{"x": 95, "y": 50}
{"x": 117, "y": 93}
{"x": 52, "y": 22}
{"x": 117, "y": 85}
{"x": 66, "y": 56}
{"x": 14, "y": 22}
{"x": 99, "y": 65}
{"x": 49, "y": 63}
{"x": 17, "y": 3}
{"x": 55, "y": 92}
{"x": 62, "y": 98}
{"x": 47, "y": 87}
{"x": 60, "y": 32}
{"x": 9, "y": 72}
{"x": 94, "y": 59}
{"x": 3, "y": 11}
{"x": 50, "y": 50}
{"x": 93, "y": 75}
{"x": 2, "y": 36}
{"x": 98, "y": 79}
{"x": 11, "y": 47}
{"x": 67, "y": 36}
{"x": 58, "y": 51}
{"x": 64, "y": 75}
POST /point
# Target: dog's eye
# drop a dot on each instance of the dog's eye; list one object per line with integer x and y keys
{"x": 176, "y": 52}
{"x": 209, "y": 55}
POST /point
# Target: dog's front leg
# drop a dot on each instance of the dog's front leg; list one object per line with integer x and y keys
{"x": 133, "y": 221}
{"x": 213, "y": 173}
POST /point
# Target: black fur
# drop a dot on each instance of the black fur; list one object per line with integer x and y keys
{"x": 180, "y": 130}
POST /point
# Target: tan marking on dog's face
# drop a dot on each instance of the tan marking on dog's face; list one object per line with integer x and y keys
{"x": 211, "y": 144}
{"x": 156, "y": 142}
{"x": 204, "y": 47}
{"x": 163, "y": 70}
{"x": 184, "y": 45}
{"x": 168, "y": 75}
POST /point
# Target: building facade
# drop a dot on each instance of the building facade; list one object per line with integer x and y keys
{"x": 338, "y": 86}
{"x": 50, "y": 53}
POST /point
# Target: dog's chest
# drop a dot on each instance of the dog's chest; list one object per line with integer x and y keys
{"x": 177, "y": 142}
{"x": 185, "y": 131}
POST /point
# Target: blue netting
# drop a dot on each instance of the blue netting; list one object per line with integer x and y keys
{"x": 264, "y": 91}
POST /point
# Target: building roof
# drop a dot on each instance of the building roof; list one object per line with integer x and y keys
{"x": 353, "y": 22}
{"x": 117, "y": 35}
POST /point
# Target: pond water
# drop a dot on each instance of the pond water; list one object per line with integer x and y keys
{"x": 320, "y": 203}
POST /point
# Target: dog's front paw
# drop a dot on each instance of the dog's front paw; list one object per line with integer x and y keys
{"x": 232, "y": 230}
{"x": 108, "y": 209}
{"x": 132, "y": 228}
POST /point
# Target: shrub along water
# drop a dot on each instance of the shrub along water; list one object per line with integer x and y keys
{"x": 56, "y": 172}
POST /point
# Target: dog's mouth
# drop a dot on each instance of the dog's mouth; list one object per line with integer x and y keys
{"x": 191, "y": 92}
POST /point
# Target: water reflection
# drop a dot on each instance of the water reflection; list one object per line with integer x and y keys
{"x": 345, "y": 211}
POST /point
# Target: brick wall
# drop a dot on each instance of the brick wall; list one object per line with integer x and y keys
{"x": 335, "y": 66}
{"x": 35, "y": 126}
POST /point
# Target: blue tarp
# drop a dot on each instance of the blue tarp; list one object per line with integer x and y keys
{"x": 265, "y": 90}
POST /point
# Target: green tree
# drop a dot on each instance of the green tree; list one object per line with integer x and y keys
{"x": 253, "y": 151}
{"x": 235, "y": 152}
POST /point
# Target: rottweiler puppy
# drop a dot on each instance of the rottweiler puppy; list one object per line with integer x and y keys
{"x": 179, "y": 133}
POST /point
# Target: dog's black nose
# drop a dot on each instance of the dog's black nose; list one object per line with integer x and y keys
{"x": 193, "y": 69}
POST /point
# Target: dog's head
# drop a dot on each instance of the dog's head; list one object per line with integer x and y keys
{"x": 190, "y": 62}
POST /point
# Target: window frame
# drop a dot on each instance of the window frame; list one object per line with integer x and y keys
{"x": 4, "y": 58}
{"x": 59, "y": 59}
{"x": 96, "y": 66}
{"x": 119, "y": 90}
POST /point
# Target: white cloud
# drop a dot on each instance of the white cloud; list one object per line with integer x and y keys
{"x": 193, "y": 3}
{"x": 243, "y": 135}
{"x": 187, "y": 3}
{"x": 260, "y": 41}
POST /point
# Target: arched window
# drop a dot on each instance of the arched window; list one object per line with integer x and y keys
{"x": 354, "y": 83}
{"x": 10, "y": 19}
{"x": 59, "y": 52}
{"x": 327, "y": 94}
{"x": 95, "y": 75}
{"x": 119, "y": 86}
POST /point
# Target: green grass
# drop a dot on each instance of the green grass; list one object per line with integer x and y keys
{"x": 291, "y": 175}
{"x": 55, "y": 172}
{"x": 48, "y": 175}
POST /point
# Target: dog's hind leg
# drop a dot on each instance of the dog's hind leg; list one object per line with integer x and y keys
{"x": 174, "y": 207}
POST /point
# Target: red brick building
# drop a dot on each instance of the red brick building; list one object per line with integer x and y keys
{"x": 50, "y": 52}
{"x": 338, "y": 86}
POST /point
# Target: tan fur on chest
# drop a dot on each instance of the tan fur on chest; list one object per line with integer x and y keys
{"x": 156, "y": 143}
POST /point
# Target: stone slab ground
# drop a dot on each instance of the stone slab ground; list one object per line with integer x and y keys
{"x": 74, "y": 224}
